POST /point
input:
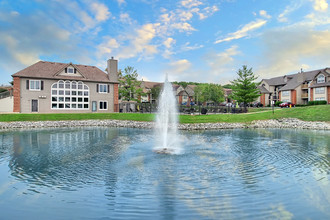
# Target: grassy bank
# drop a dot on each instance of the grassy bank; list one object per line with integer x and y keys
{"x": 310, "y": 113}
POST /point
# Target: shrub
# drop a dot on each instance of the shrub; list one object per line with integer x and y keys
{"x": 277, "y": 103}
{"x": 319, "y": 102}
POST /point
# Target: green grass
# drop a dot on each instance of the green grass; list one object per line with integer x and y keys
{"x": 310, "y": 113}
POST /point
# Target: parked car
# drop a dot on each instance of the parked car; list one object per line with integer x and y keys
{"x": 257, "y": 104}
{"x": 286, "y": 105}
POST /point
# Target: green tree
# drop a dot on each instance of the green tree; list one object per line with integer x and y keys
{"x": 129, "y": 86}
{"x": 244, "y": 88}
{"x": 155, "y": 91}
{"x": 209, "y": 92}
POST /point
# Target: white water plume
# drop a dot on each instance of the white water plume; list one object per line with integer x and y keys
{"x": 167, "y": 122}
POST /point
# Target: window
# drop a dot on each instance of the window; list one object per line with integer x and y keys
{"x": 285, "y": 93}
{"x": 70, "y": 95}
{"x": 70, "y": 70}
{"x": 319, "y": 99}
{"x": 320, "y": 78}
{"x": 103, "y": 105}
{"x": 103, "y": 88}
{"x": 320, "y": 90}
{"x": 35, "y": 85}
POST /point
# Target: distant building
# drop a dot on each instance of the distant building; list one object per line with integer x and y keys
{"x": 51, "y": 87}
{"x": 299, "y": 88}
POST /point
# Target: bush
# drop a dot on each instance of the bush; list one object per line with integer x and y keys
{"x": 277, "y": 103}
{"x": 320, "y": 102}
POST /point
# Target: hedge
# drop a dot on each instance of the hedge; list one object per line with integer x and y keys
{"x": 319, "y": 102}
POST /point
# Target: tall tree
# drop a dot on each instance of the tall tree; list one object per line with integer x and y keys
{"x": 244, "y": 88}
{"x": 129, "y": 88}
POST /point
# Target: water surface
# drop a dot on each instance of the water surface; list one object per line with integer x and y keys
{"x": 112, "y": 173}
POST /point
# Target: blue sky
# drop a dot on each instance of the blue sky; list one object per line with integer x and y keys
{"x": 190, "y": 40}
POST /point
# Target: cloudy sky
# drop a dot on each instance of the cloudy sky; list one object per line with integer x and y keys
{"x": 190, "y": 40}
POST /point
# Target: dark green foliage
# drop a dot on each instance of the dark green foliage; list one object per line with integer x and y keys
{"x": 227, "y": 86}
{"x": 244, "y": 88}
{"x": 155, "y": 91}
{"x": 185, "y": 84}
{"x": 320, "y": 102}
{"x": 129, "y": 86}
{"x": 277, "y": 103}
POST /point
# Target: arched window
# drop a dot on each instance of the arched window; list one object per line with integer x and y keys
{"x": 321, "y": 78}
{"x": 70, "y": 95}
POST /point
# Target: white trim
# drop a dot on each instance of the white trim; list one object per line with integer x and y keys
{"x": 102, "y": 108}
{"x": 34, "y": 81}
{"x": 70, "y": 68}
{"x": 103, "y": 85}
{"x": 66, "y": 99}
{"x": 317, "y": 78}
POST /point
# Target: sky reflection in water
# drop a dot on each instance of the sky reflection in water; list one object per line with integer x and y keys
{"x": 94, "y": 173}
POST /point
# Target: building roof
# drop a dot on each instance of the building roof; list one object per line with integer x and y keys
{"x": 50, "y": 70}
{"x": 263, "y": 90}
{"x": 299, "y": 78}
{"x": 320, "y": 85}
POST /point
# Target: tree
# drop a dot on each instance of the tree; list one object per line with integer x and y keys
{"x": 244, "y": 89}
{"x": 155, "y": 91}
{"x": 129, "y": 86}
{"x": 209, "y": 92}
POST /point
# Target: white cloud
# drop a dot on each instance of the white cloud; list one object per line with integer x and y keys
{"x": 288, "y": 48}
{"x": 101, "y": 11}
{"x": 120, "y": 2}
{"x": 125, "y": 18}
{"x": 264, "y": 13}
{"x": 107, "y": 47}
{"x": 139, "y": 42}
{"x": 187, "y": 46}
{"x": 244, "y": 30}
{"x": 190, "y": 3}
{"x": 288, "y": 10}
{"x": 320, "y": 5}
{"x": 169, "y": 42}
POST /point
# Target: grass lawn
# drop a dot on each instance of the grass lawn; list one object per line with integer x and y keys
{"x": 310, "y": 113}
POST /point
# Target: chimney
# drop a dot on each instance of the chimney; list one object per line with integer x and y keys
{"x": 112, "y": 70}
{"x": 301, "y": 77}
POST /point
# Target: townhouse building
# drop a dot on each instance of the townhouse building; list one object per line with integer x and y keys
{"x": 51, "y": 87}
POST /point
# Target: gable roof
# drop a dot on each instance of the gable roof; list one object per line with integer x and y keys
{"x": 263, "y": 90}
{"x": 50, "y": 70}
{"x": 295, "y": 82}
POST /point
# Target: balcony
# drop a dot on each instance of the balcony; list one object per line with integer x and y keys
{"x": 304, "y": 96}
{"x": 304, "y": 86}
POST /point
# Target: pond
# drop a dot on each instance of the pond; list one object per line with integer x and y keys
{"x": 112, "y": 173}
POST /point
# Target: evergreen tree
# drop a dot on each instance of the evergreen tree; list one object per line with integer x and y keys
{"x": 244, "y": 89}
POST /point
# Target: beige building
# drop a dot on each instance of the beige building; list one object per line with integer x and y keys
{"x": 50, "y": 87}
{"x": 299, "y": 88}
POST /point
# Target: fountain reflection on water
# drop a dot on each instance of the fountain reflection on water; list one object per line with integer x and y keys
{"x": 166, "y": 122}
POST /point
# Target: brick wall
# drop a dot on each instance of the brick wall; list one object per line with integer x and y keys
{"x": 262, "y": 99}
{"x": 312, "y": 95}
{"x": 294, "y": 96}
{"x": 279, "y": 96}
{"x": 17, "y": 94}
{"x": 115, "y": 98}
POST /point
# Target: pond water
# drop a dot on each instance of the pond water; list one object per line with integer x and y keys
{"x": 112, "y": 173}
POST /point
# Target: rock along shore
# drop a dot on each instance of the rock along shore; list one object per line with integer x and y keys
{"x": 275, "y": 123}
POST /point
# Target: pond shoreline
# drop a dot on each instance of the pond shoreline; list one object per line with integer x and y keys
{"x": 274, "y": 123}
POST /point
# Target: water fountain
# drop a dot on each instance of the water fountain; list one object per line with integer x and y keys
{"x": 166, "y": 122}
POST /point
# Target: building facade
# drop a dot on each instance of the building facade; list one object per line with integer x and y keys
{"x": 50, "y": 87}
{"x": 299, "y": 88}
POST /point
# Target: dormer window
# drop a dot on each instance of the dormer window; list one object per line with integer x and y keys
{"x": 70, "y": 70}
{"x": 320, "y": 78}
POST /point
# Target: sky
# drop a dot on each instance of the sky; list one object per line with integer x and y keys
{"x": 190, "y": 40}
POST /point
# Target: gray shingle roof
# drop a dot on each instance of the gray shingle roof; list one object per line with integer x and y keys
{"x": 50, "y": 70}
{"x": 263, "y": 89}
{"x": 294, "y": 82}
